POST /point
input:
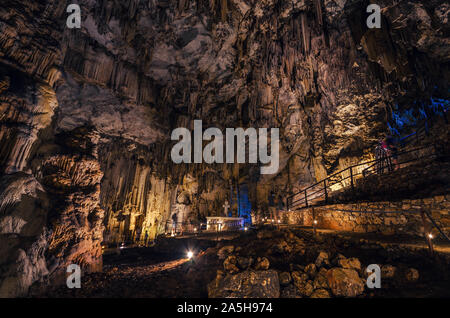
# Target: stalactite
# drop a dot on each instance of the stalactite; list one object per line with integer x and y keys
{"x": 319, "y": 14}
{"x": 224, "y": 10}
{"x": 306, "y": 32}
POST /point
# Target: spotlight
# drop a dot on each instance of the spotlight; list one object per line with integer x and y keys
{"x": 190, "y": 254}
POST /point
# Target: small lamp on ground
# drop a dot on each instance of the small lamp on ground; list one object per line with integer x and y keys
{"x": 314, "y": 226}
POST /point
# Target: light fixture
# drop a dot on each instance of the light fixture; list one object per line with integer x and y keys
{"x": 430, "y": 235}
{"x": 245, "y": 228}
{"x": 315, "y": 221}
{"x": 190, "y": 254}
{"x": 279, "y": 221}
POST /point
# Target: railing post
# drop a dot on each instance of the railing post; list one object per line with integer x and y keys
{"x": 426, "y": 234}
{"x": 306, "y": 199}
{"x": 314, "y": 221}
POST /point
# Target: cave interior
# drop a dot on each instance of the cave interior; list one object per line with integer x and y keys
{"x": 224, "y": 148}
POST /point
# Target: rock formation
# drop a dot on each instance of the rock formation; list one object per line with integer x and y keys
{"x": 86, "y": 114}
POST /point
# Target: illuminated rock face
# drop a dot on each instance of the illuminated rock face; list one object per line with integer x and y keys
{"x": 87, "y": 114}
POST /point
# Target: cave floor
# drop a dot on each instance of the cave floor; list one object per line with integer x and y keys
{"x": 163, "y": 271}
{"x": 410, "y": 242}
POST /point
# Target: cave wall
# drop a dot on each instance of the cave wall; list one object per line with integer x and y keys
{"x": 365, "y": 217}
{"x": 86, "y": 114}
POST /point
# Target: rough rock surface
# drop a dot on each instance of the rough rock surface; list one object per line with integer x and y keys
{"x": 138, "y": 69}
{"x": 345, "y": 282}
{"x": 254, "y": 284}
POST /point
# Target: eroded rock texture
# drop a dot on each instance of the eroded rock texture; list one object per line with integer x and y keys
{"x": 86, "y": 114}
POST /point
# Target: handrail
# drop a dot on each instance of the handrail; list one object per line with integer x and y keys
{"x": 436, "y": 226}
{"x": 373, "y": 163}
{"x": 351, "y": 175}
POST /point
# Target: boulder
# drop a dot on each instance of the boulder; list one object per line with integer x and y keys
{"x": 322, "y": 259}
{"x": 285, "y": 278}
{"x": 281, "y": 247}
{"x": 321, "y": 279}
{"x": 262, "y": 263}
{"x": 311, "y": 270}
{"x": 225, "y": 251}
{"x": 412, "y": 275}
{"x": 306, "y": 289}
{"x": 230, "y": 264}
{"x": 244, "y": 262}
{"x": 264, "y": 234}
{"x": 247, "y": 284}
{"x": 290, "y": 291}
{"x": 304, "y": 286}
{"x": 352, "y": 263}
{"x": 345, "y": 282}
{"x": 388, "y": 271}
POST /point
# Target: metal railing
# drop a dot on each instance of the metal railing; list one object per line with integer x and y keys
{"x": 322, "y": 189}
{"x": 320, "y": 192}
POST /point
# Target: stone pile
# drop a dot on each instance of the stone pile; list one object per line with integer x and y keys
{"x": 328, "y": 274}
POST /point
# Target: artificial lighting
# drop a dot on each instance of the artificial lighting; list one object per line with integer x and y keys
{"x": 190, "y": 254}
{"x": 430, "y": 235}
{"x": 279, "y": 221}
{"x": 245, "y": 228}
{"x": 315, "y": 221}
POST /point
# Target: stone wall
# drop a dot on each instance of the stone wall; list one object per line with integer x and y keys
{"x": 362, "y": 217}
